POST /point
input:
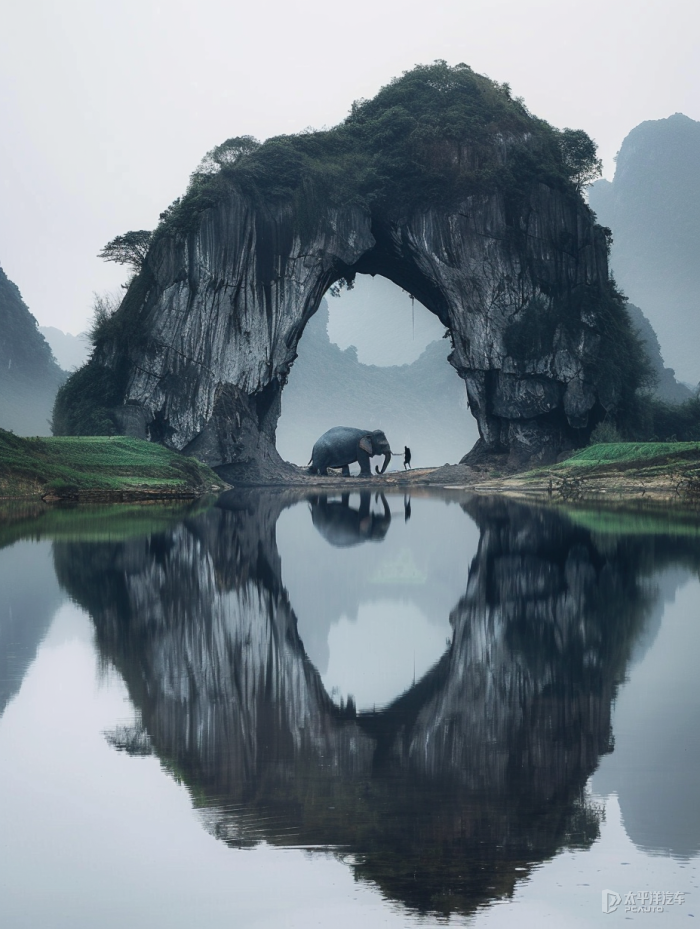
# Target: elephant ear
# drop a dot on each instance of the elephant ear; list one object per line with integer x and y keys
{"x": 366, "y": 444}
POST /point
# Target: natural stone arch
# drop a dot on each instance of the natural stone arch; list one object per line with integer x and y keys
{"x": 374, "y": 355}
{"x": 514, "y": 266}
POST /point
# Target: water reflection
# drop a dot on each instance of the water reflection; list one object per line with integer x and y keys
{"x": 29, "y": 597}
{"x": 456, "y": 789}
{"x": 342, "y": 525}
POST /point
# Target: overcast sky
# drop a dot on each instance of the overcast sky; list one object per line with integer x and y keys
{"x": 106, "y": 107}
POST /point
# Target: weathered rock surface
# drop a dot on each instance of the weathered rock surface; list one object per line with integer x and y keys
{"x": 226, "y": 305}
{"x": 444, "y": 185}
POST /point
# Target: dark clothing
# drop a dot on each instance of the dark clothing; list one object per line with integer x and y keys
{"x": 406, "y": 456}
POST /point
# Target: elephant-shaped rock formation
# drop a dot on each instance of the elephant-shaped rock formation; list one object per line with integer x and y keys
{"x": 486, "y": 231}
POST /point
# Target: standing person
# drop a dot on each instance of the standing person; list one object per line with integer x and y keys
{"x": 406, "y": 457}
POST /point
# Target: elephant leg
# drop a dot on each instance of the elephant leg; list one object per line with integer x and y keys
{"x": 346, "y": 471}
{"x": 363, "y": 459}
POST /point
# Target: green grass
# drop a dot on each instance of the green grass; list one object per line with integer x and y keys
{"x": 97, "y": 464}
{"x": 630, "y": 452}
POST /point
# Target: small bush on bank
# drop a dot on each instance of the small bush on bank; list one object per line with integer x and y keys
{"x": 605, "y": 432}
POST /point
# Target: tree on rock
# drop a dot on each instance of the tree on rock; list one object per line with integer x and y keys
{"x": 579, "y": 151}
{"x": 227, "y": 153}
{"x": 128, "y": 249}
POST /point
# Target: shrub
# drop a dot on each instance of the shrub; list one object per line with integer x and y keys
{"x": 669, "y": 422}
{"x": 84, "y": 402}
{"x": 605, "y": 433}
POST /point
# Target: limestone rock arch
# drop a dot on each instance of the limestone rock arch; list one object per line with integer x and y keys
{"x": 508, "y": 257}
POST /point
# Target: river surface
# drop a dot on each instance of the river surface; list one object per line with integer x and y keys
{"x": 359, "y": 711}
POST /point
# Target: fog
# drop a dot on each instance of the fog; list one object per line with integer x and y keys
{"x": 371, "y": 359}
{"x": 384, "y": 324}
{"x": 107, "y": 108}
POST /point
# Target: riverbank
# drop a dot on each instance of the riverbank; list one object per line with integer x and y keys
{"x": 648, "y": 475}
{"x": 92, "y": 469}
{"x": 117, "y": 469}
{"x": 651, "y": 474}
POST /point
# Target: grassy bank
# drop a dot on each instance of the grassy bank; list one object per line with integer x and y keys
{"x": 655, "y": 474}
{"x": 94, "y": 467}
{"x": 633, "y": 454}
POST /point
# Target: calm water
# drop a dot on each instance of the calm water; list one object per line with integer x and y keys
{"x": 343, "y": 712}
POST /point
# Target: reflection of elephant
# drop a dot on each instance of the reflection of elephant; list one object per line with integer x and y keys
{"x": 343, "y": 526}
{"x": 342, "y": 445}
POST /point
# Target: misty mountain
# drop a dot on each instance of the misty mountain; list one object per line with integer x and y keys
{"x": 70, "y": 351}
{"x": 29, "y": 373}
{"x": 382, "y": 322}
{"x": 653, "y": 209}
{"x": 667, "y": 387}
{"x": 422, "y": 405}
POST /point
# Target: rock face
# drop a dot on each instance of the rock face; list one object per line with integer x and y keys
{"x": 226, "y": 306}
{"x": 202, "y": 345}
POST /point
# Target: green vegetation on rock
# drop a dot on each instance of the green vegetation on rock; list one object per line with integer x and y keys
{"x": 73, "y": 467}
{"x": 426, "y": 139}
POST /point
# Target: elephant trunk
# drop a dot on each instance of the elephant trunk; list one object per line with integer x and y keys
{"x": 387, "y": 459}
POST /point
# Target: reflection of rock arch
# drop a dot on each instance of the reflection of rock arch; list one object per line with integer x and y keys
{"x": 504, "y": 248}
{"x": 485, "y": 758}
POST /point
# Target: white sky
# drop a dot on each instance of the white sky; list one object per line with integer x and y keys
{"x": 106, "y": 107}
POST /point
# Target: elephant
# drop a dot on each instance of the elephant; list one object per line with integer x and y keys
{"x": 343, "y": 526}
{"x": 342, "y": 445}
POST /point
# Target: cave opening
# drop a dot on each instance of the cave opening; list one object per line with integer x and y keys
{"x": 374, "y": 357}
